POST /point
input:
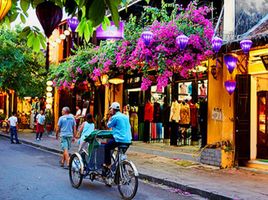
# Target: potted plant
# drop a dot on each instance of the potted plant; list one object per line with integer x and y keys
{"x": 49, "y": 121}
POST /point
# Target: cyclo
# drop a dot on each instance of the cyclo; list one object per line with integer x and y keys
{"x": 88, "y": 163}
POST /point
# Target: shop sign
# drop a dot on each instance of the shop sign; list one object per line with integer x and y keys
{"x": 217, "y": 114}
{"x": 111, "y": 32}
{"x": 265, "y": 61}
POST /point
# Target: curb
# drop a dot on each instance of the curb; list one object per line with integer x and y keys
{"x": 186, "y": 188}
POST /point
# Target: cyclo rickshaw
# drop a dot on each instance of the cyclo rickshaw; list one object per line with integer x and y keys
{"x": 88, "y": 163}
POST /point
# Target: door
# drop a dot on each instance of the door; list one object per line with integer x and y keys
{"x": 262, "y": 125}
{"x": 242, "y": 118}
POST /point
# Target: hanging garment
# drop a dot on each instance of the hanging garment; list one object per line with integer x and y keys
{"x": 174, "y": 133}
{"x": 203, "y": 90}
{"x": 193, "y": 114}
{"x": 159, "y": 131}
{"x": 153, "y": 131}
{"x": 184, "y": 114}
{"x": 175, "y": 112}
{"x": 141, "y": 131}
{"x": 146, "y": 133}
{"x": 183, "y": 88}
{"x": 149, "y": 112}
{"x": 134, "y": 123}
{"x": 157, "y": 112}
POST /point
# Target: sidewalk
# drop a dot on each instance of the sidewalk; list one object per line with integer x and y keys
{"x": 166, "y": 165}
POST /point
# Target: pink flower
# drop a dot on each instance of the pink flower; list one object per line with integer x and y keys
{"x": 146, "y": 83}
{"x": 79, "y": 70}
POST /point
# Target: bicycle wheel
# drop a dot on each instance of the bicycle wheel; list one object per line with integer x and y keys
{"x": 75, "y": 171}
{"x": 127, "y": 181}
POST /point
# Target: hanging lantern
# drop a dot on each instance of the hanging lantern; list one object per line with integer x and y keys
{"x": 230, "y": 61}
{"x": 230, "y": 86}
{"x": 49, "y": 16}
{"x": 216, "y": 44}
{"x": 5, "y": 6}
{"x": 245, "y": 45}
{"x": 182, "y": 41}
{"x": 73, "y": 23}
{"x": 147, "y": 37}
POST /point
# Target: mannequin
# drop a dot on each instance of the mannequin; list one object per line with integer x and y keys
{"x": 174, "y": 119}
{"x": 183, "y": 88}
{"x": 148, "y": 118}
{"x": 203, "y": 89}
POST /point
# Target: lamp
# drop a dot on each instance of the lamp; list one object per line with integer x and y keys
{"x": 5, "y": 6}
{"x": 49, "y": 94}
{"x": 182, "y": 41}
{"x": 216, "y": 44}
{"x": 246, "y": 45}
{"x": 147, "y": 37}
{"x": 230, "y": 61}
{"x": 49, "y": 16}
{"x": 230, "y": 86}
{"x": 49, "y": 88}
{"x": 116, "y": 81}
{"x": 73, "y": 23}
{"x": 49, "y": 83}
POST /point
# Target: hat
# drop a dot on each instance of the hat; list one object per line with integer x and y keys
{"x": 115, "y": 105}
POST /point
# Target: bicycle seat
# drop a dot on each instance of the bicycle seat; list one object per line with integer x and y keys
{"x": 123, "y": 147}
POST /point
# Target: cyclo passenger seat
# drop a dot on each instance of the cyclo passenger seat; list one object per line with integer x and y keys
{"x": 123, "y": 147}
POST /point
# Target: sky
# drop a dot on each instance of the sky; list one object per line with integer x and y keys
{"x": 32, "y": 20}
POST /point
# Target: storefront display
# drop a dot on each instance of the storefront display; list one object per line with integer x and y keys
{"x": 262, "y": 125}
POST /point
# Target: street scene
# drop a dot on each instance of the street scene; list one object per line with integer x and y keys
{"x": 133, "y": 99}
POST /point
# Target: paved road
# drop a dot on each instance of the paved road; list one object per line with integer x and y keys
{"x": 29, "y": 173}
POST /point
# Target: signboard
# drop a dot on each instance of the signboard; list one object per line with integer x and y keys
{"x": 265, "y": 61}
{"x": 111, "y": 32}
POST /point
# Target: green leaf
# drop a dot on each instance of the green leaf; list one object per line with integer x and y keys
{"x": 81, "y": 27}
{"x": 22, "y": 18}
{"x": 113, "y": 7}
{"x": 25, "y": 32}
{"x": 24, "y": 4}
{"x": 13, "y": 17}
{"x": 30, "y": 39}
{"x": 80, "y": 3}
{"x": 36, "y": 44}
{"x": 96, "y": 12}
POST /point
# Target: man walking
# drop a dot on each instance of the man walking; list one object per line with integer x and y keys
{"x": 13, "y": 124}
{"x": 67, "y": 130}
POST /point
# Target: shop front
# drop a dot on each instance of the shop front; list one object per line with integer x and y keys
{"x": 177, "y": 115}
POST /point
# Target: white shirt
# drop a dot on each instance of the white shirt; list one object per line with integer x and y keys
{"x": 13, "y": 120}
{"x": 78, "y": 113}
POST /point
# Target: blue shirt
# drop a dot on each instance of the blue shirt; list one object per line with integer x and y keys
{"x": 41, "y": 119}
{"x": 87, "y": 130}
{"x": 66, "y": 124}
{"x": 121, "y": 128}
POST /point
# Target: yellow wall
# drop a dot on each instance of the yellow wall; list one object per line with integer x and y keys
{"x": 218, "y": 97}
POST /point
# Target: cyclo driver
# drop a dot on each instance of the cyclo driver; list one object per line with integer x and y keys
{"x": 121, "y": 132}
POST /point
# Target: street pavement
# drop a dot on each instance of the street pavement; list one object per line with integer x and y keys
{"x": 166, "y": 165}
{"x": 30, "y": 173}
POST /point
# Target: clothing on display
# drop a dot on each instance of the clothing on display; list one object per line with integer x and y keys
{"x": 184, "y": 113}
{"x": 175, "y": 111}
{"x": 183, "y": 89}
{"x": 134, "y": 123}
{"x": 157, "y": 112}
{"x": 203, "y": 90}
{"x": 149, "y": 112}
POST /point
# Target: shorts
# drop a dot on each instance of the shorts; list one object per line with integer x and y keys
{"x": 39, "y": 128}
{"x": 65, "y": 142}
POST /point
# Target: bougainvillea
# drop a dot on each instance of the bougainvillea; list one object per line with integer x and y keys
{"x": 157, "y": 62}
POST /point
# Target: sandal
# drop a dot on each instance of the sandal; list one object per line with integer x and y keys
{"x": 61, "y": 163}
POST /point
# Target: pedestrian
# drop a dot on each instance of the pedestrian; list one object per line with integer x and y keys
{"x": 13, "y": 124}
{"x": 85, "y": 130}
{"x": 40, "y": 122}
{"x": 67, "y": 130}
{"x": 77, "y": 115}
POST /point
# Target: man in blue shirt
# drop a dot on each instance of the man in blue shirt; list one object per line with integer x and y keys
{"x": 121, "y": 131}
{"x": 67, "y": 130}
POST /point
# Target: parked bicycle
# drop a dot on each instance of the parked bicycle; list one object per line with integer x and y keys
{"x": 87, "y": 163}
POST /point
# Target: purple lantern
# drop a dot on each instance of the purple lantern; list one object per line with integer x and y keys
{"x": 230, "y": 61}
{"x": 216, "y": 44}
{"x": 146, "y": 37}
{"x": 49, "y": 16}
{"x": 182, "y": 41}
{"x": 73, "y": 23}
{"x": 230, "y": 86}
{"x": 246, "y": 45}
